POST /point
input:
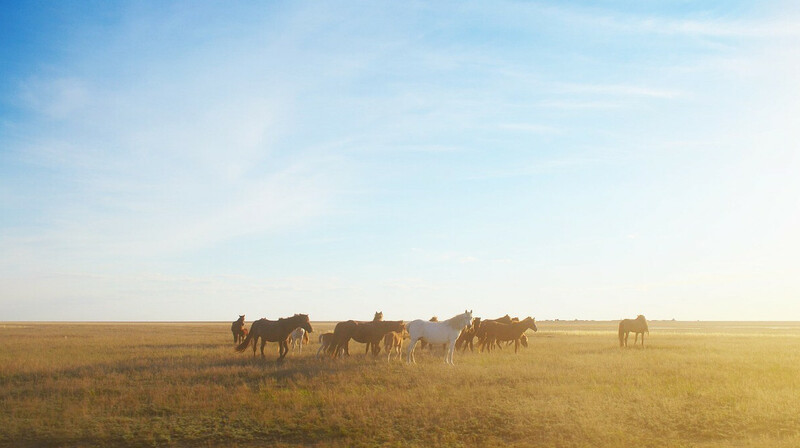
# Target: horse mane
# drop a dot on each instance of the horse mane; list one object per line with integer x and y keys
{"x": 453, "y": 321}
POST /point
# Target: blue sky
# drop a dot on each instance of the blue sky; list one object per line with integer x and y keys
{"x": 592, "y": 160}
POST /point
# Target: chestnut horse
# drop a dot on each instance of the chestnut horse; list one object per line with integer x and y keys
{"x": 481, "y": 335}
{"x": 369, "y": 333}
{"x": 274, "y": 331}
{"x": 236, "y": 329}
{"x": 637, "y": 326}
{"x": 496, "y": 332}
{"x": 393, "y": 341}
{"x": 325, "y": 341}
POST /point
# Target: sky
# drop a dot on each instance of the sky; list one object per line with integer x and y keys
{"x": 193, "y": 161}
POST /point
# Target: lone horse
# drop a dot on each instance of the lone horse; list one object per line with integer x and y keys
{"x": 236, "y": 329}
{"x": 274, "y": 331}
{"x": 437, "y": 333}
{"x": 637, "y": 326}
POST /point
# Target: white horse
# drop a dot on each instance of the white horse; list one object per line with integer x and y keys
{"x": 437, "y": 333}
{"x": 297, "y": 338}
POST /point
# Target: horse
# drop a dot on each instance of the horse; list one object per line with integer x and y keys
{"x": 437, "y": 333}
{"x": 467, "y": 336}
{"x": 637, "y": 326}
{"x": 481, "y": 335}
{"x": 393, "y": 341}
{"x": 378, "y": 317}
{"x": 236, "y": 329}
{"x": 325, "y": 341}
{"x": 369, "y": 333}
{"x": 298, "y": 338}
{"x": 274, "y": 331}
{"x": 423, "y": 343}
{"x": 496, "y": 331}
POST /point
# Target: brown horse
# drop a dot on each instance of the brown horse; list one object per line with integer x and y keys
{"x": 481, "y": 335}
{"x": 496, "y": 331}
{"x": 274, "y": 331}
{"x": 637, "y": 326}
{"x": 325, "y": 341}
{"x": 376, "y": 318}
{"x": 394, "y": 341}
{"x": 236, "y": 329}
{"x": 467, "y": 336}
{"x": 369, "y": 333}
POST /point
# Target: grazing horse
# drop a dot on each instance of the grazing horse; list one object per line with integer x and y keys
{"x": 370, "y": 333}
{"x": 467, "y": 336}
{"x": 637, "y": 326}
{"x": 393, "y": 342}
{"x": 437, "y": 333}
{"x": 236, "y": 329}
{"x": 297, "y": 339}
{"x": 274, "y": 331}
{"x": 495, "y": 332}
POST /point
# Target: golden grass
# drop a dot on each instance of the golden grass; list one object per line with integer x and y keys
{"x": 695, "y": 384}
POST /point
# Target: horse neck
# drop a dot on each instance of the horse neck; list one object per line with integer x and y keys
{"x": 456, "y": 321}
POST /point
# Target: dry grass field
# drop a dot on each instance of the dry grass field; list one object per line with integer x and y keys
{"x": 182, "y": 384}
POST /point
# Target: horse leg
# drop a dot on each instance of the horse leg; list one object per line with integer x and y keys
{"x": 642, "y": 340}
{"x": 635, "y": 337}
{"x": 451, "y": 347}
{"x": 410, "y": 351}
{"x": 516, "y": 345}
{"x": 263, "y": 343}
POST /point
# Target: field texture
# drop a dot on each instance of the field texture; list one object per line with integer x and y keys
{"x": 181, "y": 384}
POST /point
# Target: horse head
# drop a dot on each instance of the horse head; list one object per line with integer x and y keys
{"x": 532, "y": 323}
{"x": 241, "y": 318}
{"x": 476, "y": 323}
{"x": 378, "y": 316}
{"x": 305, "y": 324}
{"x": 467, "y": 317}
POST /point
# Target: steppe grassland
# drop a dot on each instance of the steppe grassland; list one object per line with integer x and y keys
{"x": 181, "y": 384}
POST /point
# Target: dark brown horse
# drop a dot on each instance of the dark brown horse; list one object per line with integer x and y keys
{"x": 370, "y": 333}
{"x": 467, "y": 336}
{"x": 496, "y": 332}
{"x": 274, "y": 331}
{"x": 236, "y": 329}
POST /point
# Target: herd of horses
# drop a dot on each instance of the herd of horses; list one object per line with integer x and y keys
{"x": 459, "y": 332}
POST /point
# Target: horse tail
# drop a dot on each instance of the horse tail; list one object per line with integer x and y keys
{"x": 243, "y": 346}
{"x": 621, "y": 334}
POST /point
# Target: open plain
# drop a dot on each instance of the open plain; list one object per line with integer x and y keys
{"x": 181, "y": 384}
